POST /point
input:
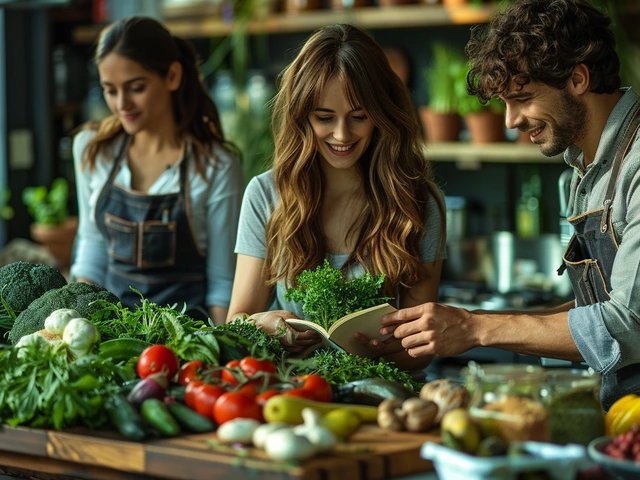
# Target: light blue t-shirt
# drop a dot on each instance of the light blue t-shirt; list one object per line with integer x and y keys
{"x": 259, "y": 202}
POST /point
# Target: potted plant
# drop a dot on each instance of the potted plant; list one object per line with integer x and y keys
{"x": 53, "y": 227}
{"x": 484, "y": 122}
{"x": 440, "y": 117}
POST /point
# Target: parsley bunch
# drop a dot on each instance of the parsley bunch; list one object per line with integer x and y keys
{"x": 327, "y": 296}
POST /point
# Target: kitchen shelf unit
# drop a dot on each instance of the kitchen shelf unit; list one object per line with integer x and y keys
{"x": 204, "y": 21}
{"x": 474, "y": 153}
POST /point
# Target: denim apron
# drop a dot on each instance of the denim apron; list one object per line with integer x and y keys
{"x": 150, "y": 244}
{"x": 589, "y": 260}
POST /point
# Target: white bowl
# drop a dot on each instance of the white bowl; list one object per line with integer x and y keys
{"x": 626, "y": 469}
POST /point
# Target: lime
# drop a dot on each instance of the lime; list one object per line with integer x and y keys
{"x": 342, "y": 422}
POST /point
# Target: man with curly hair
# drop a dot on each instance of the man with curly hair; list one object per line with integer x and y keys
{"x": 554, "y": 64}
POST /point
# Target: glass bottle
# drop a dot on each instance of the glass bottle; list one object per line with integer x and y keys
{"x": 572, "y": 399}
{"x": 506, "y": 401}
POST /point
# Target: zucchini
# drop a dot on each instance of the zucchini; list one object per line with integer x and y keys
{"x": 370, "y": 391}
{"x": 156, "y": 413}
{"x": 190, "y": 419}
{"x": 122, "y": 349}
{"x": 126, "y": 418}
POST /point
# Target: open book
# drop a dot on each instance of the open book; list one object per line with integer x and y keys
{"x": 340, "y": 334}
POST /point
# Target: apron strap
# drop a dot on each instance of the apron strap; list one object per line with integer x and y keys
{"x": 616, "y": 166}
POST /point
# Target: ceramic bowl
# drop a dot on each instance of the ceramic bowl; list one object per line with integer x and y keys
{"x": 626, "y": 469}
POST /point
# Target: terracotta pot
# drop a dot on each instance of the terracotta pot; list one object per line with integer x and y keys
{"x": 524, "y": 138}
{"x": 485, "y": 126}
{"x": 294, "y": 6}
{"x": 440, "y": 127}
{"x": 57, "y": 239}
{"x": 455, "y": 3}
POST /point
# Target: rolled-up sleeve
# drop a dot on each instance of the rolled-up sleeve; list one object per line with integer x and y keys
{"x": 223, "y": 210}
{"x": 90, "y": 259}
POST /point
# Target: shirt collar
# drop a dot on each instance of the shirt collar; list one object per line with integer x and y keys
{"x": 574, "y": 157}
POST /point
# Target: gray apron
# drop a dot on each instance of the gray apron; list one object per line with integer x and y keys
{"x": 589, "y": 261}
{"x": 151, "y": 246}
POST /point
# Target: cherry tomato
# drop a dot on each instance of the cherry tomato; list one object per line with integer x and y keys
{"x": 189, "y": 372}
{"x": 227, "y": 375}
{"x": 206, "y": 397}
{"x": 236, "y": 405}
{"x": 262, "y": 398}
{"x": 190, "y": 393}
{"x": 251, "y": 366}
{"x": 157, "y": 358}
{"x": 319, "y": 386}
{"x": 249, "y": 389}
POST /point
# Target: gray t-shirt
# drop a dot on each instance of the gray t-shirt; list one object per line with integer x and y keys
{"x": 259, "y": 202}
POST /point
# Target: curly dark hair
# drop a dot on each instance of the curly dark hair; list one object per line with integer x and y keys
{"x": 542, "y": 41}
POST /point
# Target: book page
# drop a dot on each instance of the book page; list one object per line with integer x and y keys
{"x": 302, "y": 325}
{"x": 365, "y": 322}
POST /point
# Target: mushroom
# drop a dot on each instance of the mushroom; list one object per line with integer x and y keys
{"x": 390, "y": 414}
{"x": 419, "y": 415}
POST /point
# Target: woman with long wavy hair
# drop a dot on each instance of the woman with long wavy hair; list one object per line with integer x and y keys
{"x": 159, "y": 191}
{"x": 349, "y": 183}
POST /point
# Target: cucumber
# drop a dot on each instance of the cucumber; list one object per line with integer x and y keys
{"x": 190, "y": 419}
{"x": 370, "y": 391}
{"x": 285, "y": 409}
{"x": 156, "y": 413}
{"x": 125, "y": 418}
{"x": 122, "y": 349}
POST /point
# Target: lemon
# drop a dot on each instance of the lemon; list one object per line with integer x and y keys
{"x": 341, "y": 422}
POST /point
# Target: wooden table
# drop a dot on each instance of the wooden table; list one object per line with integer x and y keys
{"x": 371, "y": 454}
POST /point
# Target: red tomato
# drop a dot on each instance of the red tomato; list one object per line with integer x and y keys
{"x": 236, "y": 405}
{"x": 319, "y": 386}
{"x": 189, "y": 372}
{"x": 206, "y": 397}
{"x": 227, "y": 375}
{"x": 157, "y": 358}
{"x": 252, "y": 366}
{"x": 300, "y": 392}
{"x": 248, "y": 389}
{"x": 190, "y": 393}
{"x": 262, "y": 398}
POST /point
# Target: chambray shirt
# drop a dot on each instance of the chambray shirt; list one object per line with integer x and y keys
{"x": 215, "y": 208}
{"x": 608, "y": 334}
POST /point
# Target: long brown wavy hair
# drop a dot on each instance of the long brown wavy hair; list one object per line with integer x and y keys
{"x": 542, "y": 41}
{"x": 146, "y": 41}
{"x": 397, "y": 179}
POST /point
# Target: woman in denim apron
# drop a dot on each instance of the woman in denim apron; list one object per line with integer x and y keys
{"x": 159, "y": 193}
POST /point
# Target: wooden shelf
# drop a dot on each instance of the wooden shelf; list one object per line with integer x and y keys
{"x": 504, "y": 152}
{"x": 204, "y": 22}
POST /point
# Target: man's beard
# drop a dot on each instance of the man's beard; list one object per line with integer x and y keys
{"x": 569, "y": 128}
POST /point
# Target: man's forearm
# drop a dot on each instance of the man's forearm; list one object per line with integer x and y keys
{"x": 530, "y": 333}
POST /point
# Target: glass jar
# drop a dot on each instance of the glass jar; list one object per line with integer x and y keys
{"x": 507, "y": 402}
{"x": 572, "y": 399}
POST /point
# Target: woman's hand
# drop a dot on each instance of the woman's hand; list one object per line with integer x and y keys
{"x": 273, "y": 323}
{"x": 388, "y": 346}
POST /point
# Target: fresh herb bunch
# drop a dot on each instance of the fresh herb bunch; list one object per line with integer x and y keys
{"x": 256, "y": 339}
{"x": 339, "y": 367}
{"x": 45, "y": 389}
{"x": 327, "y": 296}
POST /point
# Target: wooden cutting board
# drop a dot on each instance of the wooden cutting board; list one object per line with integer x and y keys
{"x": 371, "y": 454}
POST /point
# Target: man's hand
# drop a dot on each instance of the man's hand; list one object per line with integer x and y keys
{"x": 431, "y": 329}
{"x": 384, "y": 347}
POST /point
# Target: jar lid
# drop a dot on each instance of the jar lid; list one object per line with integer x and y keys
{"x": 573, "y": 377}
{"x": 504, "y": 373}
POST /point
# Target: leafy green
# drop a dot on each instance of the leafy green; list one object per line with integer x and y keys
{"x": 255, "y": 339}
{"x": 327, "y": 296}
{"x": 43, "y": 388}
{"x": 339, "y": 367}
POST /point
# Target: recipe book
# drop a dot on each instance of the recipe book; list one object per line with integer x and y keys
{"x": 340, "y": 334}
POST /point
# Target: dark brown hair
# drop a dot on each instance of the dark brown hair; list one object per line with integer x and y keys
{"x": 542, "y": 41}
{"x": 397, "y": 179}
{"x": 149, "y": 43}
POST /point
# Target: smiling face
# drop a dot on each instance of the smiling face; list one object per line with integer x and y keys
{"x": 343, "y": 131}
{"x": 141, "y": 99}
{"x": 554, "y": 119}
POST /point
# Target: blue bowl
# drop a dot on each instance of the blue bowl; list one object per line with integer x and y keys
{"x": 627, "y": 469}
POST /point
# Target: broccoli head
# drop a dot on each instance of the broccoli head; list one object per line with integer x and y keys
{"x": 76, "y": 295}
{"x": 22, "y": 282}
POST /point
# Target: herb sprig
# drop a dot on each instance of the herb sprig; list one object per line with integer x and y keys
{"x": 327, "y": 296}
